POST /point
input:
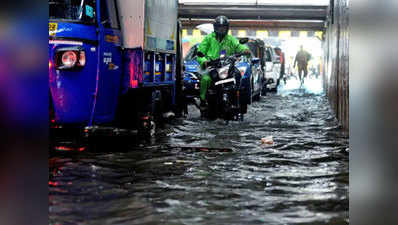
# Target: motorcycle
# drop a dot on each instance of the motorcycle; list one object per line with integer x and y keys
{"x": 224, "y": 96}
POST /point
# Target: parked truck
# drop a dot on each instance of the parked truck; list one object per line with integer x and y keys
{"x": 112, "y": 63}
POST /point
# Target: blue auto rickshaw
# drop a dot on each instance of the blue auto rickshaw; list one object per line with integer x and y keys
{"x": 110, "y": 61}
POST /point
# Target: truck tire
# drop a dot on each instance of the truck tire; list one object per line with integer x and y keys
{"x": 243, "y": 109}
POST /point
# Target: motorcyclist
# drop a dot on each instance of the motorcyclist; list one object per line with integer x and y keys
{"x": 211, "y": 47}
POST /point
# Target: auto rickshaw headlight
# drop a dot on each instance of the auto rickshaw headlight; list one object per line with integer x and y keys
{"x": 70, "y": 58}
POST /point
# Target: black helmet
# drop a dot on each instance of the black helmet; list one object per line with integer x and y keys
{"x": 221, "y": 26}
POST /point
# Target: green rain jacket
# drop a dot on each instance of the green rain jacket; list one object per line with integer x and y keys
{"x": 212, "y": 48}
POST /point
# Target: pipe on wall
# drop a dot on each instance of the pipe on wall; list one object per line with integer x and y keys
{"x": 336, "y": 66}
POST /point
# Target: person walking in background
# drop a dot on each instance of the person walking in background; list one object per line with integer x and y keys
{"x": 302, "y": 58}
{"x": 282, "y": 57}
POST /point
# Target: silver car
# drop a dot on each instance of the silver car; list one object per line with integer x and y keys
{"x": 272, "y": 69}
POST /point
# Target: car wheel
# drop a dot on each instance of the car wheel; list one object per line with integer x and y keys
{"x": 264, "y": 89}
{"x": 251, "y": 91}
{"x": 276, "y": 86}
{"x": 256, "y": 97}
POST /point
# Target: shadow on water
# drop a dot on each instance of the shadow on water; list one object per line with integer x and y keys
{"x": 302, "y": 178}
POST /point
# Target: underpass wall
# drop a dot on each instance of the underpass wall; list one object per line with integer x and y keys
{"x": 336, "y": 66}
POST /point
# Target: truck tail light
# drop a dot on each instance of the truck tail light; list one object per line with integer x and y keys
{"x": 135, "y": 58}
{"x": 134, "y": 83}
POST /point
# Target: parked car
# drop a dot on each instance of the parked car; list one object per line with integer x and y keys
{"x": 192, "y": 73}
{"x": 272, "y": 69}
{"x": 191, "y": 65}
{"x": 257, "y": 48}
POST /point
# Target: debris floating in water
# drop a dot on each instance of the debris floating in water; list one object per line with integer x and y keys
{"x": 269, "y": 140}
{"x": 205, "y": 149}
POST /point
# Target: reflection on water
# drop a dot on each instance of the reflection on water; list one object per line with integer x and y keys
{"x": 311, "y": 85}
{"x": 300, "y": 179}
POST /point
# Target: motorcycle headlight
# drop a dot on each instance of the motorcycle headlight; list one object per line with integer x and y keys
{"x": 194, "y": 77}
{"x": 68, "y": 58}
{"x": 242, "y": 70}
{"x": 223, "y": 72}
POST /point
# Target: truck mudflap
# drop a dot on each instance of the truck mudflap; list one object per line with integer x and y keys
{"x": 92, "y": 139}
{"x": 98, "y": 131}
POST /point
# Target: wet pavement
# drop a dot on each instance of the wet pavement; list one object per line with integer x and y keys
{"x": 302, "y": 178}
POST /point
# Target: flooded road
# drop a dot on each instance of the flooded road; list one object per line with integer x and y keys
{"x": 302, "y": 178}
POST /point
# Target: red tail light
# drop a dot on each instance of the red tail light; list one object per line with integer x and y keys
{"x": 134, "y": 83}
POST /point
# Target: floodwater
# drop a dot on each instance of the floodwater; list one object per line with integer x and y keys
{"x": 302, "y": 178}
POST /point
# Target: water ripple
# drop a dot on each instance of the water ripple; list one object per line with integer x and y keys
{"x": 300, "y": 179}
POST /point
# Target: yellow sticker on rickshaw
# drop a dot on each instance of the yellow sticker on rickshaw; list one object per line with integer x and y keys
{"x": 52, "y": 29}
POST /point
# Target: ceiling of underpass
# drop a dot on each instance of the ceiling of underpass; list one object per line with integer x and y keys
{"x": 301, "y": 14}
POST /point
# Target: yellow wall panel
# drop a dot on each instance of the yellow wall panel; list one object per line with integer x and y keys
{"x": 184, "y": 33}
{"x": 261, "y": 33}
{"x": 319, "y": 34}
{"x": 242, "y": 33}
{"x": 285, "y": 34}
{"x": 303, "y": 34}
{"x": 196, "y": 33}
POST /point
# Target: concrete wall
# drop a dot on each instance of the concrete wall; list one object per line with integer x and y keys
{"x": 336, "y": 66}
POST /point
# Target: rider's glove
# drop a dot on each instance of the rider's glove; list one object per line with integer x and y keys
{"x": 214, "y": 63}
{"x": 205, "y": 64}
{"x": 246, "y": 52}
